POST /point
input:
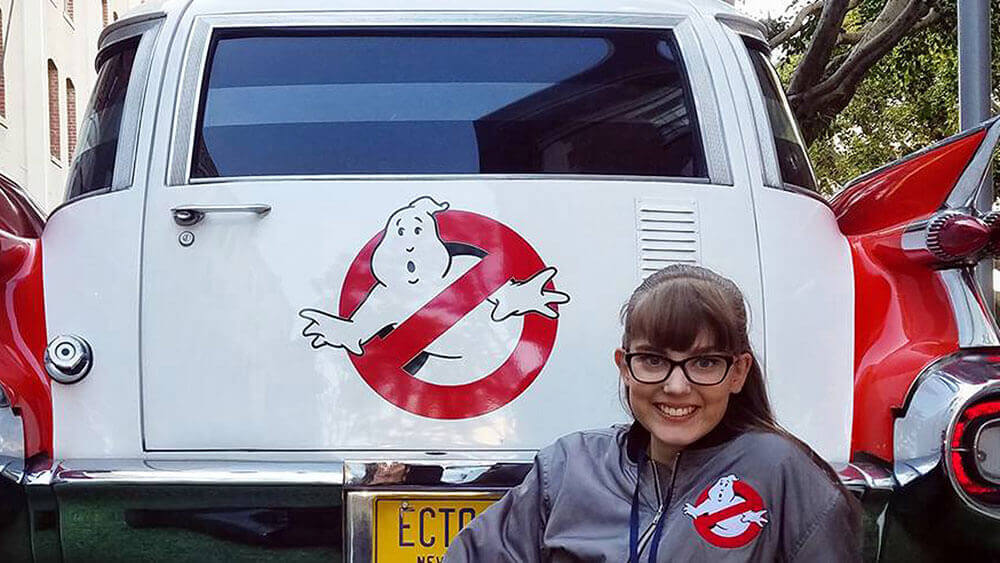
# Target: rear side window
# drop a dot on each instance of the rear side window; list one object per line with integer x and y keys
{"x": 97, "y": 143}
{"x": 792, "y": 158}
{"x": 447, "y": 101}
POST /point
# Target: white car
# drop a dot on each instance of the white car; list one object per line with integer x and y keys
{"x": 329, "y": 274}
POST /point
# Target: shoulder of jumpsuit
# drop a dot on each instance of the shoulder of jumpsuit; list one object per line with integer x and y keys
{"x": 587, "y": 459}
{"x": 774, "y": 465}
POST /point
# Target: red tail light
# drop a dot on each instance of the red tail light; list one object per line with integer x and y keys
{"x": 975, "y": 451}
{"x": 992, "y": 220}
{"x": 957, "y": 237}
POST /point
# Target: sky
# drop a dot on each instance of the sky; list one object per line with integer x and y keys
{"x": 761, "y": 8}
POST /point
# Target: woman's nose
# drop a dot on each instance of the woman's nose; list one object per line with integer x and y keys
{"x": 676, "y": 382}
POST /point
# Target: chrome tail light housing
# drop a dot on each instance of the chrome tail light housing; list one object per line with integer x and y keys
{"x": 950, "y": 422}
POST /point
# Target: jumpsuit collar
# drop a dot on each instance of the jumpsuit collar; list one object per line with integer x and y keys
{"x": 637, "y": 439}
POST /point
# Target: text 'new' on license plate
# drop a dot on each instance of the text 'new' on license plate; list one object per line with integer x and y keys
{"x": 419, "y": 529}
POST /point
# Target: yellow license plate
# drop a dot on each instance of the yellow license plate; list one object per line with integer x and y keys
{"x": 419, "y": 529}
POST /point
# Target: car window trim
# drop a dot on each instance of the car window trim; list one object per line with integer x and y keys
{"x": 145, "y": 32}
{"x": 195, "y": 61}
{"x": 764, "y": 122}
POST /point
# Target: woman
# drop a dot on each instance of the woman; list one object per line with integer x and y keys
{"x": 703, "y": 472}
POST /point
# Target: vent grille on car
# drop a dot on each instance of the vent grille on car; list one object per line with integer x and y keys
{"x": 668, "y": 234}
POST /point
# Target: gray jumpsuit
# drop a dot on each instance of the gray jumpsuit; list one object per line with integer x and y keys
{"x": 754, "y": 497}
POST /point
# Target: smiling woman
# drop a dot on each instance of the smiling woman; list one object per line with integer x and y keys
{"x": 703, "y": 473}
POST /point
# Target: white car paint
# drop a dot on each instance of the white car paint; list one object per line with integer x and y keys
{"x": 222, "y": 371}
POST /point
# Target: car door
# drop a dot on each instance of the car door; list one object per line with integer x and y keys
{"x": 418, "y": 235}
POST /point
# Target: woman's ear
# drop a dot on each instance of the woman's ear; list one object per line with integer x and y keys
{"x": 738, "y": 373}
{"x": 622, "y": 366}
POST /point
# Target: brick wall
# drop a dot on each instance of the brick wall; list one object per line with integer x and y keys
{"x": 70, "y": 120}
{"x": 54, "y": 148}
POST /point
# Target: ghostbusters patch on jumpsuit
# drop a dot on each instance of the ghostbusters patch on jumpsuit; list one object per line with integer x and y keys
{"x": 728, "y": 513}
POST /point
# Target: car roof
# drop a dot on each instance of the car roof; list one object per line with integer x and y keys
{"x": 709, "y": 8}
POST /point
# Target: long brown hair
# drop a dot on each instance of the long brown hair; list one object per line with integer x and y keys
{"x": 675, "y": 305}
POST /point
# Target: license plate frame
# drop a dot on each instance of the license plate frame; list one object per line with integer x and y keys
{"x": 362, "y": 505}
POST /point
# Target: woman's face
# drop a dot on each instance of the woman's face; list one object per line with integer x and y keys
{"x": 677, "y": 412}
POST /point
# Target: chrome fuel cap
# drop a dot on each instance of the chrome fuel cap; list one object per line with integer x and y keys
{"x": 68, "y": 358}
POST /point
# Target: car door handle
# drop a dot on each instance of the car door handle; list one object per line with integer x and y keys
{"x": 187, "y": 215}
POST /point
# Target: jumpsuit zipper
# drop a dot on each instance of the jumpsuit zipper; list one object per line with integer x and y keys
{"x": 664, "y": 503}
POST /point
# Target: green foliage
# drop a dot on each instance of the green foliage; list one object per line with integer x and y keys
{"x": 908, "y": 100}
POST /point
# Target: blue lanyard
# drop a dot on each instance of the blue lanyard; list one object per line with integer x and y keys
{"x": 633, "y": 532}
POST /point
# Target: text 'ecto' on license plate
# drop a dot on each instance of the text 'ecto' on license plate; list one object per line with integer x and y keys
{"x": 419, "y": 529}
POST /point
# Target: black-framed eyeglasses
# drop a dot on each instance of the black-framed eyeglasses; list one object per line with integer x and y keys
{"x": 704, "y": 369}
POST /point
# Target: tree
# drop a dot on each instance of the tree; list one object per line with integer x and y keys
{"x": 846, "y": 38}
{"x": 905, "y": 101}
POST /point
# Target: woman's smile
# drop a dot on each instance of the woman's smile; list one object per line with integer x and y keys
{"x": 677, "y": 413}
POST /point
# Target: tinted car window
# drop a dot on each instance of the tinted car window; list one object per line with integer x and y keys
{"x": 97, "y": 144}
{"x": 792, "y": 158}
{"x": 447, "y": 102}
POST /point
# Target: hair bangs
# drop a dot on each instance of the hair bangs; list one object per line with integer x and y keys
{"x": 672, "y": 315}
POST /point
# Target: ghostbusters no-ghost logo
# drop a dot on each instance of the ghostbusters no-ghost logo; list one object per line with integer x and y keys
{"x": 728, "y": 513}
{"x": 445, "y": 313}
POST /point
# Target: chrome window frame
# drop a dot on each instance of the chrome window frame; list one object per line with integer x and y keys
{"x": 188, "y": 94}
{"x": 762, "y": 121}
{"x": 148, "y": 30}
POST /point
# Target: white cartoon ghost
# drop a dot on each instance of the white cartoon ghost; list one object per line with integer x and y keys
{"x": 411, "y": 265}
{"x": 721, "y": 496}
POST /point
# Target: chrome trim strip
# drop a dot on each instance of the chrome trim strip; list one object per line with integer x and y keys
{"x": 188, "y": 100}
{"x": 442, "y": 473}
{"x": 11, "y": 444}
{"x": 96, "y": 472}
{"x": 388, "y": 472}
{"x": 762, "y": 125}
{"x": 915, "y": 237}
{"x": 116, "y": 31}
{"x": 744, "y": 25}
{"x": 196, "y": 52}
{"x": 971, "y": 181}
{"x": 931, "y": 409}
{"x": 976, "y": 325}
{"x": 452, "y": 177}
{"x": 862, "y": 477}
{"x": 706, "y": 102}
{"x": 12, "y": 469}
{"x": 128, "y": 135}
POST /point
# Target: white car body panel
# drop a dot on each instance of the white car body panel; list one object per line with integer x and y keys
{"x": 197, "y": 392}
{"x": 808, "y": 291}
{"x": 96, "y": 295}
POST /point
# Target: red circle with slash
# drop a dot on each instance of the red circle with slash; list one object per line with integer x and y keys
{"x": 751, "y": 502}
{"x": 508, "y": 256}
